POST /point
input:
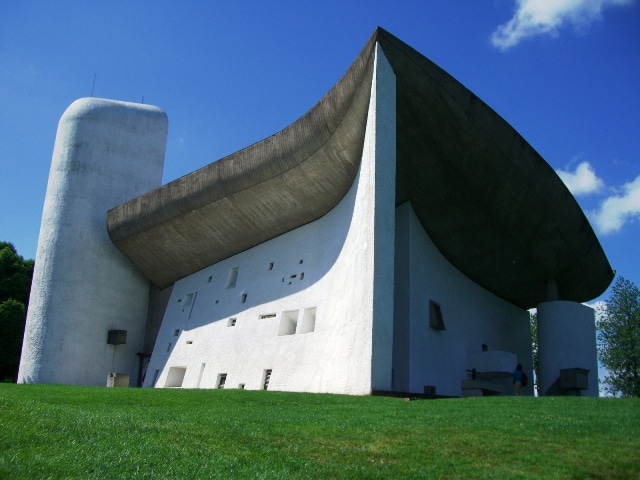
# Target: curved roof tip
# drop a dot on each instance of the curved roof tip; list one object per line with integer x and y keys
{"x": 494, "y": 208}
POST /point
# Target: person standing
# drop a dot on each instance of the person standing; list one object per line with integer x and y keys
{"x": 517, "y": 380}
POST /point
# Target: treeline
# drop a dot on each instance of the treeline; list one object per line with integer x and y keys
{"x": 15, "y": 284}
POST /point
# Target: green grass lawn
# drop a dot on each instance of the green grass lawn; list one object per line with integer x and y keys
{"x": 77, "y": 432}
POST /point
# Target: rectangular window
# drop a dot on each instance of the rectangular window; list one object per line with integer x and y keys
{"x": 232, "y": 278}
{"x": 188, "y": 301}
{"x": 267, "y": 315}
{"x": 308, "y": 322}
{"x": 266, "y": 379}
{"x": 222, "y": 379}
{"x": 231, "y": 322}
{"x": 175, "y": 377}
{"x": 288, "y": 323}
{"x": 435, "y": 316}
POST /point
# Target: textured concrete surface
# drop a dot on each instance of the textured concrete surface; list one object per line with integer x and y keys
{"x": 566, "y": 339}
{"x": 494, "y": 208}
{"x": 338, "y": 268}
{"x": 105, "y": 153}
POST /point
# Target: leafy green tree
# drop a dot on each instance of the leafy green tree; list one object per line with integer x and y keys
{"x": 12, "y": 317}
{"x": 619, "y": 339}
{"x": 15, "y": 284}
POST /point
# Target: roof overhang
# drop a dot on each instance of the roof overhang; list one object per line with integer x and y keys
{"x": 493, "y": 207}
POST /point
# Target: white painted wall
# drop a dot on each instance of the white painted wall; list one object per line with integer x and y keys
{"x": 345, "y": 267}
{"x": 106, "y": 153}
{"x": 566, "y": 339}
{"x": 341, "y": 266}
{"x": 472, "y": 317}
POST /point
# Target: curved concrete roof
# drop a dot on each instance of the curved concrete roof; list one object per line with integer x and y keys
{"x": 493, "y": 207}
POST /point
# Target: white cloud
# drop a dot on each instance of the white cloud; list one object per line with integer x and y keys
{"x": 617, "y": 210}
{"x": 582, "y": 181}
{"x": 545, "y": 17}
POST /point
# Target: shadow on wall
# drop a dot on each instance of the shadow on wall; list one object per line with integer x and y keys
{"x": 278, "y": 268}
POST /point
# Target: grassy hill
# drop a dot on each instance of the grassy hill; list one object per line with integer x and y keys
{"x": 77, "y": 432}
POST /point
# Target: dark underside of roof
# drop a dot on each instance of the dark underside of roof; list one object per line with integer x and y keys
{"x": 492, "y": 206}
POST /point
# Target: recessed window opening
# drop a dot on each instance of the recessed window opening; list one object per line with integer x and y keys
{"x": 169, "y": 348}
{"x": 288, "y": 323}
{"x": 266, "y": 379}
{"x": 176, "y": 332}
{"x": 243, "y": 298}
{"x": 189, "y": 300}
{"x": 222, "y": 379}
{"x": 231, "y": 322}
{"x": 189, "y": 342}
{"x": 217, "y": 301}
{"x": 300, "y": 262}
{"x": 210, "y": 278}
{"x": 232, "y": 278}
{"x": 436, "y": 321}
{"x": 308, "y": 322}
{"x": 200, "y": 375}
{"x": 271, "y": 266}
{"x": 241, "y": 386}
{"x": 301, "y": 275}
{"x": 175, "y": 377}
{"x": 293, "y": 276}
{"x": 267, "y": 315}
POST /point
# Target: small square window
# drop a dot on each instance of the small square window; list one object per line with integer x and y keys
{"x": 231, "y": 322}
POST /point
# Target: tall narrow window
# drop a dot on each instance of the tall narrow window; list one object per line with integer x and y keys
{"x": 308, "y": 323}
{"x": 222, "y": 379}
{"x": 232, "y": 278}
{"x": 188, "y": 302}
{"x": 200, "y": 375}
{"x": 435, "y": 316}
{"x": 266, "y": 379}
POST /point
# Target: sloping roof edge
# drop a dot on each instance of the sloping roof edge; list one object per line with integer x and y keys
{"x": 494, "y": 208}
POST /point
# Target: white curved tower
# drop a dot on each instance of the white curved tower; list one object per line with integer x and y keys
{"x": 567, "y": 349}
{"x": 106, "y": 152}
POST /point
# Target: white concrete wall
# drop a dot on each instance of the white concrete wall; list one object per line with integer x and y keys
{"x": 566, "y": 339}
{"x": 340, "y": 266}
{"x": 106, "y": 153}
{"x": 472, "y": 317}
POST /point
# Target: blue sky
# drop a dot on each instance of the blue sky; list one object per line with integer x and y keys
{"x": 564, "y": 73}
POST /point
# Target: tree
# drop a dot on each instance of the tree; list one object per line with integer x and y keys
{"x": 619, "y": 339}
{"x": 15, "y": 284}
{"x": 12, "y": 319}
